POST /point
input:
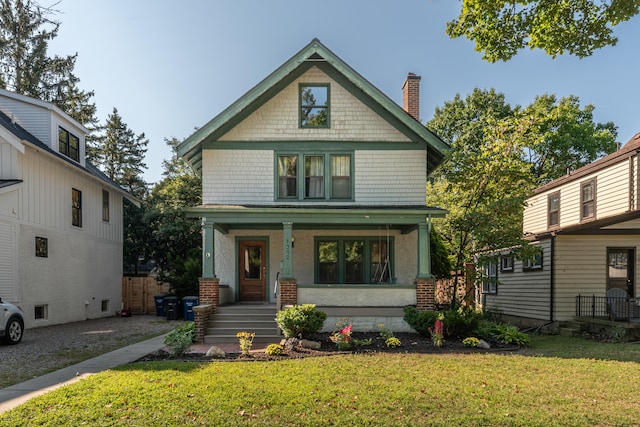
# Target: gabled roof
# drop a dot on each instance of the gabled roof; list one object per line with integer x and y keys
{"x": 314, "y": 54}
{"x": 25, "y": 136}
{"x": 629, "y": 149}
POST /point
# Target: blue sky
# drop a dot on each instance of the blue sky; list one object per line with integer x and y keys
{"x": 169, "y": 66}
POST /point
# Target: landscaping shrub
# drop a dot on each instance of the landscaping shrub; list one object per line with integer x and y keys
{"x": 274, "y": 349}
{"x": 300, "y": 321}
{"x": 460, "y": 323}
{"x": 421, "y": 321}
{"x": 181, "y": 338}
{"x": 510, "y": 334}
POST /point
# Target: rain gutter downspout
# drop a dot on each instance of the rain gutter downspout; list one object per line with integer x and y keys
{"x": 552, "y": 273}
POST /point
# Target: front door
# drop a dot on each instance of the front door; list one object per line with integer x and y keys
{"x": 253, "y": 270}
{"x": 620, "y": 269}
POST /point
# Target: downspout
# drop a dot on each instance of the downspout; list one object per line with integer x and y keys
{"x": 552, "y": 273}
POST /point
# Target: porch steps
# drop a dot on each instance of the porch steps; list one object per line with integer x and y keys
{"x": 254, "y": 318}
{"x": 571, "y": 329}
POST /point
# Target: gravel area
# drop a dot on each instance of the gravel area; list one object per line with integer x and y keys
{"x": 47, "y": 349}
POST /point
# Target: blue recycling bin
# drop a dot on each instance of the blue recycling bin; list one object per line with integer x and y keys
{"x": 159, "y": 299}
{"x": 188, "y": 304}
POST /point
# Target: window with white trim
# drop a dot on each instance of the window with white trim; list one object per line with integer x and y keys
{"x": 490, "y": 277}
{"x": 533, "y": 262}
{"x": 588, "y": 199}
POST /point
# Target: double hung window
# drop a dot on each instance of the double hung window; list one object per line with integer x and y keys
{"x": 314, "y": 105}
{"x": 490, "y": 277}
{"x": 353, "y": 260}
{"x": 553, "y": 210}
{"x": 588, "y": 199}
{"x": 76, "y": 207}
{"x": 310, "y": 182}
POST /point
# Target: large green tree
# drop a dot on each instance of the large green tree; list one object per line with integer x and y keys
{"x": 26, "y": 28}
{"x": 501, "y": 28}
{"x": 176, "y": 240}
{"x": 499, "y": 154}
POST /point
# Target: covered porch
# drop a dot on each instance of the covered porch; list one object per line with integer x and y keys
{"x": 392, "y": 267}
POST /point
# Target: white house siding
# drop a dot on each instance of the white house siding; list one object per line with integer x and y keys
{"x": 8, "y": 161}
{"x": 581, "y": 268}
{"x": 8, "y": 261}
{"x": 350, "y": 119}
{"x": 390, "y": 177}
{"x": 84, "y": 264}
{"x": 37, "y": 120}
{"x": 612, "y": 198}
{"x": 404, "y": 264}
{"x": 524, "y": 294}
{"x": 237, "y": 177}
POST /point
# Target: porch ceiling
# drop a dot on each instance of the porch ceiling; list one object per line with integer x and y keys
{"x": 225, "y": 217}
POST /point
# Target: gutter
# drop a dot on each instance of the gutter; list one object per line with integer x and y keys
{"x": 552, "y": 282}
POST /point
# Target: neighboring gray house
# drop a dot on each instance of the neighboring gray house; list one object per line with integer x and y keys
{"x": 317, "y": 178}
{"x": 61, "y": 227}
{"x": 587, "y": 227}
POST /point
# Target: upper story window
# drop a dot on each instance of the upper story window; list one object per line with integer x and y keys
{"x": 310, "y": 181}
{"x": 69, "y": 144}
{"x": 588, "y": 199}
{"x": 76, "y": 207}
{"x": 314, "y": 105}
{"x": 553, "y": 210}
{"x": 105, "y": 205}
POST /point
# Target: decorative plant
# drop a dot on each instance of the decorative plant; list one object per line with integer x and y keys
{"x": 300, "y": 321}
{"x": 342, "y": 338}
{"x": 393, "y": 342}
{"x": 181, "y": 338}
{"x": 274, "y": 349}
{"x": 471, "y": 342}
{"x": 510, "y": 334}
{"x": 437, "y": 333}
{"x": 246, "y": 341}
{"x": 384, "y": 332}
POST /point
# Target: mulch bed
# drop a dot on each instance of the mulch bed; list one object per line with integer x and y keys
{"x": 411, "y": 343}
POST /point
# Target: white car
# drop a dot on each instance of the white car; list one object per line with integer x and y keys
{"x": 11, "y": 323}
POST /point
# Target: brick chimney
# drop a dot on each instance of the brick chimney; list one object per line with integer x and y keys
{"x": 411, "y": 95}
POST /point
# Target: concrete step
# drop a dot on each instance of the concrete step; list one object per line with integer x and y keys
{"x": 568, "y": 331}
{"x": 253, "y": 318}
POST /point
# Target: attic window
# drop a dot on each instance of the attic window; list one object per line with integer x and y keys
{"x": 68, "y": 144}
{"x": 314, "y": 106}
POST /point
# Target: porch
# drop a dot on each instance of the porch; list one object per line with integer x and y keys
{"x": 615, "y": 317}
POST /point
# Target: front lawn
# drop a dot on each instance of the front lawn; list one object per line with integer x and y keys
{"x": 549, "y": 385}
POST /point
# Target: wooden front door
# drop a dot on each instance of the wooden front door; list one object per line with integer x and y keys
{"x": 253, "y": 270}
{"x": 620, "y": 269}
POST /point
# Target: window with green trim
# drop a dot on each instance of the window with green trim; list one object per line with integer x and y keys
{"x": 314, "y": 105}
{"x": 353, "y": 260}
{"x": 310, "y": 182}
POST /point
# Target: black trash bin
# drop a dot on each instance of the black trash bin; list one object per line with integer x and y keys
{"x": 159, "y": 304}
{"x": 188, "y": 304}
{"x": 172, "y": 307}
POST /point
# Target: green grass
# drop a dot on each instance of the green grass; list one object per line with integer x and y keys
{"x": 559, "y": 382}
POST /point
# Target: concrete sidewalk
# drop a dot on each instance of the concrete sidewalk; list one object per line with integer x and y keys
{"x": 17, "y": 394}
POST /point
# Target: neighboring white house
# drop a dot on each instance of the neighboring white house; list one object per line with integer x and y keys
{"x": 61, "y": 227}
{"x": 318, "y": 178}
{"x": 587, "y": 227}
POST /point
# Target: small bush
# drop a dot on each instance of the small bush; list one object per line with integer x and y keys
{"x": 460, "y": 323}
{"x": 509, "y": 334}
{"x": 471, "y": 342}
{"x": 300, "y": 321}
{"x": 274, "y": 349}
{"x": 393, "y": 342}
{"x": 421, "y": 321}
{"x": 181, "y": 338}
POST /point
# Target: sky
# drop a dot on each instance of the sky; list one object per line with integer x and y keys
{"x": 171, "y": 66}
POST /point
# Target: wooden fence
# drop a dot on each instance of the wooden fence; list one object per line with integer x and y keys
{"x": 138, "y": 293}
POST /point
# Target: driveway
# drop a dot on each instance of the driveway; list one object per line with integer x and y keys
{"x": 49, "y": 348}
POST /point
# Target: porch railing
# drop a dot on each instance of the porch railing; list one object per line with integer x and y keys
{"x": 612, "y": 308}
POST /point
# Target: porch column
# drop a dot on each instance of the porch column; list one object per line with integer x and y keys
{"x": 287, "y": 256}
{"x": 424, "y": 250}
{"x": 208, "y": 254}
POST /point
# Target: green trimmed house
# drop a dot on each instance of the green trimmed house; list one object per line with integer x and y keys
{"x": 313, "y": 187}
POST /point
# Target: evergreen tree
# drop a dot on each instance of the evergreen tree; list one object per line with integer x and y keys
{"x": 25, "y": 68}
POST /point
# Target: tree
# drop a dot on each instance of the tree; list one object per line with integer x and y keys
{"x": 25, "y": 31}
{"x": 502, "y": 28}
{"x": 176, "y": 239}
{"x": 120, "y": 154}
{"x": 568, "y": 138}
